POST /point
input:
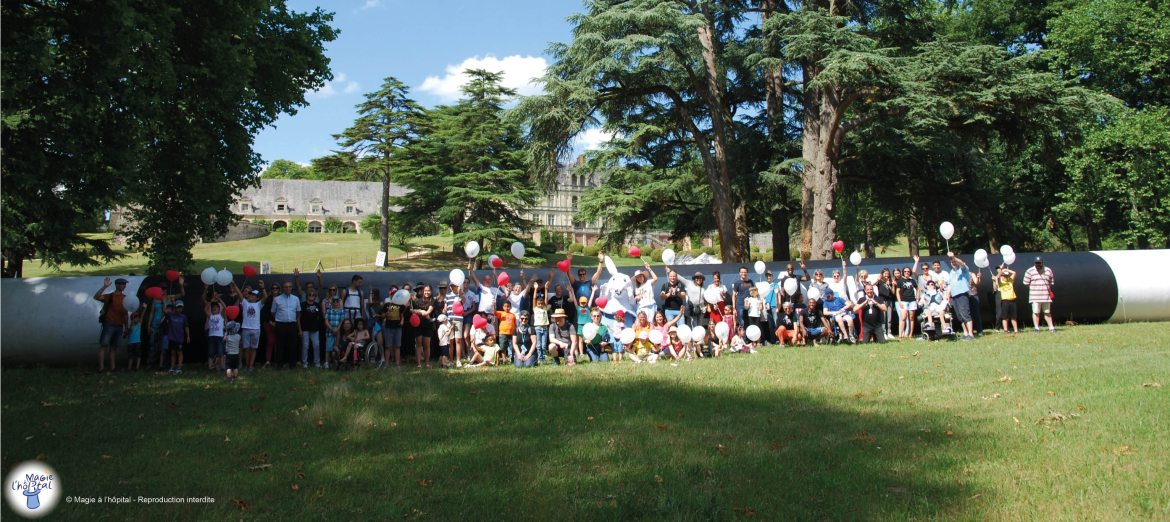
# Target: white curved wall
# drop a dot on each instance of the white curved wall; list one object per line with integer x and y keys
{"x": 52, "y": 319}
{"x": 1143, "y": 286}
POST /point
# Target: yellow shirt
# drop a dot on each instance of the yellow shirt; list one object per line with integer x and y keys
{"x": 1007, "y": 290}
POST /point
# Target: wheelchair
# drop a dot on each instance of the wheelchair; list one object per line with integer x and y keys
{"x": 368, "y": 355}
{"x": 930, "y": 332}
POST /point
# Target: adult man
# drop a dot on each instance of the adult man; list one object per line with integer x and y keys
{"x": 561, "y": 337}
{"x": 353, "y": 300}
{"x": 773, "y": 309}
{"x": 470, "y": 306}
{"x": 309, "y": 286}
{"x": 286, "y": 312}
{"x": 740, "y": 290}
{"x": 812, "y": 324}
{"x": 673, "y": 295}
{"x": 1039, "y": 281}
{"x": 788, "y": 330}
{"x": 487, "y": 293}
{"x": 871, "y": 309}
{"x": 791, "y": 273}
{"x": 114, "y": 321}
{"x": 836, "y": 309}
{"x": 937, "y": 274}
{"x": 959, "y": 282}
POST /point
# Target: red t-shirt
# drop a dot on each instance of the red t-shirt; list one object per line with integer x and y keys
{"x": 115, "y": 312}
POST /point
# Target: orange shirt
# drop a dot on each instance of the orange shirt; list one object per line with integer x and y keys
{"x": 507, "y": 322}
{"x": 115, "y": 312}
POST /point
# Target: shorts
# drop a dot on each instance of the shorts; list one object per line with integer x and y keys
{"x": 962, "y": 304}
{"x": 617, "y": 346}
{"x": 174, "y": 345}
{"x": 904, "y": 306}
{"x": 468, "y": 318}
{"x": 580, "y": 330}
{"x": 815, "y": 332}
{"x": 249, "y": 339}
{"x": 392, "y": 337}
{"x": 1007, "y": 309}
{"x": 329, "y": 340}
{"x": 215, "y": 346}
{"x": 135, "y": 349}
{"x": 233, "y": 361}
{"x": 937, "y": 308}
{"x": 456, "y": 329}
{"x": 111, "y": 335}
{"x": 1041, "y": 308}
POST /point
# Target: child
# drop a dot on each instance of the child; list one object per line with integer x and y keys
{"x": 507, "y": 322}
{"x": 178, "y": 334}
{"x": 344, "y": 331}
{"x": 444, "y": 341}
{"x": 392, "y": 330}
{"x": 231, "y": 342}
{"x": 729, "y": 317}
{"x": 486, "y": 352}
{"x": 737, "y": 342}
{"x": 333, "y": 317}
{"x": 135, "y": 342}
{"x": 214, "y": 327}
{"x": 1007, "y": 304}
{"x": 357, "y": 339}
{"x": 675, "y": 349}
{"x": 717, "y": 347}
{"x": 615, "y": 333}
{"x": 755, "y": 312}
{"x": 540, "y": 323}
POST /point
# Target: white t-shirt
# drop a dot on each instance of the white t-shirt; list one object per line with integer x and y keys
{"x": 839, "y": 289}
{"x": 469, "y": 302}
{"x": 445, "y": 334}
{"x": 251, "y": 313}
{"x": 353, "y": 299}
{"x": 514, "y": 299}
{"x": 755, "y": 306}
{"x": 487, "y": 299}
{"x": 646, "y": 295}
{"x": 215, "y": 326}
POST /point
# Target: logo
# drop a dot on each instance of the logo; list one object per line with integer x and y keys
{"x": 32, "y": 489}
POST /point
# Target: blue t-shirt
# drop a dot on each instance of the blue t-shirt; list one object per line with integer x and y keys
{"x": 960, "y": 280}
{"x": 178, "y": 324}
{"x": 741, "y": 289}
{"x": 583, "y": 288}
{"x": 836, "y": 305}
{"x": 156, "y": 314}
{"x": 135, "y": 334}
{"x": 771, "y": 297}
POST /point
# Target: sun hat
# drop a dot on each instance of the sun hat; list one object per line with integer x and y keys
{"x": 559, "y": 312}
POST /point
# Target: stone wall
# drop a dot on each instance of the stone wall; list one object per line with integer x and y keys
{"x": 243, "y": 230}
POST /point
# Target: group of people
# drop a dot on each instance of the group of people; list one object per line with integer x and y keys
{"x": 536, "y": 321}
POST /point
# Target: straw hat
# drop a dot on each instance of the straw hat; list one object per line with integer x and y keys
{"x": 559, "y": 312}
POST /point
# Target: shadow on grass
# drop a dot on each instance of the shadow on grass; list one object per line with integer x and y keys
{"x": 602, "y": 443}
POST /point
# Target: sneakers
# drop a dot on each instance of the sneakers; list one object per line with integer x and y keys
{"x": 326, "y": 365}
{"x": 178, "y": 371}
{"x": 967, "y": 338}
{"x": 1052, "y": 330}
{"x": 171, "y": 370}
{"x": 1037, "y": 330}
{"x": 752, "y": 351}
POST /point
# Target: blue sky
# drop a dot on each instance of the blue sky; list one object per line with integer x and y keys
{"x": 423, "y": 43}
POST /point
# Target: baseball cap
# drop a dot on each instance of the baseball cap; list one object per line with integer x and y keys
{"x": 121, "y": 281}
{"x": 255, "y": 292}
{"x": 583, "y": 300}
{"x": 1039, "y": 259}
{"x": 179, "y": 303}
{"x": 619, "y": 313}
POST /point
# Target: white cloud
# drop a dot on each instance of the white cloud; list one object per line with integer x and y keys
{"x": 591, "y": 139}
{"x": 518, "y": 72}
{"x": 339, "y": 84}
{"x": 372, "y": 3}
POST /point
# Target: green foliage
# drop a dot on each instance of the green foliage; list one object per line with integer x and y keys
{"x": 755, "y": 249}
{"x": 331, "y": 225}
{"x": 132, "y": 105}
{"x": 591, "y": 251}
{"x": 260, "y": 221}
{"x": 280, "y": 225}
{"x": 554, "y": 241}
{"x": 710, "y": 250}
{"x": 695, "y": 252}
{"x": 298, "y": 226}
{"x": 576, "y": 248}
{"x": 656, "y": 255}
{"x": 285, "y": 169}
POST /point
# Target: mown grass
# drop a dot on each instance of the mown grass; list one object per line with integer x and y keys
{"x": 1035, "y": 427}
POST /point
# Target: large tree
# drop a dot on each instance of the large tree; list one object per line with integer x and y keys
{"x": 148, "y": 107}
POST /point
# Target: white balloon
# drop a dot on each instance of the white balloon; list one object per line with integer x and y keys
{"x": 980, "y": 254}
{"x": 855, "y": 258}
{"x": 208, "y": 276}
{"x": 1009, "y": 258}
{"x": 457, "y": 277}
{"x": 722, "y": 330}
{"x": 712, "y": 295}
{"x": 763, "y": 288}
{"x": 589, "y": 331}
{"x": 492, "y": 259}
{"x": 1007, "y": 249}
{"x": 610, "y": 267}
{"x": 684, "y": 333}
{"x": 223, "y": 278}
{"x": 753, "y": 332}
{"x": 668, "y": 256}
{"x": 518, "y": 250}
{"x": 790, "y": 286}
{"x": 946, "y": 229}
{"x": 655, "y": 337}
{"x": 402, "y": 297}
{"x": 471, "y": 249}
{"x": 814, "y": 293}
{"x": 699, "y": 333}
{"x": 627, "y": 336}
{"x": 130, "y": 303}
{"x": 760, "y": 267}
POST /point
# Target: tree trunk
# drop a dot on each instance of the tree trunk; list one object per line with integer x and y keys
{"x": 718, "y": 171}
{"x": 13, "y": 264}
{"x": 742, "y": 235}
{"x": 1094, "y": 234}
{"x": 824, "y": 173}
{"x": 780, "y": 239}
{"x": 811, "y": 143}
{"x": 384, "y": 240}
{"x": 992, "y": 238}
{"x": 912, "y": 235}
{"x": 869, "y": 250}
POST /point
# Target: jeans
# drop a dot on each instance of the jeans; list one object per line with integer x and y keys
{"x": 158, "y": 343}
{"x": 541, "y": 343}
{"x": 111, "y": 335}
{"x": 595, "y": 353}
{"x": 773, "y": 322}
{"x": 530, "y": 362}
{"x": 314, "y": 340}
{"x": 215, "y": 346}
{"x": 671, "y": 314}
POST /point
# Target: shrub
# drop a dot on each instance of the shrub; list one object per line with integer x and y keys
{"x": 695, "y": 252}
{"x": 591, "y": 250}
{"x": 279, "y": 225}
{"x": 755, "y": 249}
{"x": 656, "y": 255}
{"x": 793, "y": 253}
{"x": 259, "y": 221}
{"x": 768, "y": 256}
{"x": 298, "y": 225}
{"x": 768, "y": 250}
{"x": 756, "y": 256}
{"x": 577, "y": 248}
{"x": 710, "y": 250}
{"x": 331, "y": 225}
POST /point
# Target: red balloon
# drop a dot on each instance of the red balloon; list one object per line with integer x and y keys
{"x": 502, "y": 279}
{"x": 232, "y": 312}
{"x": 479, "y": 322}
{"x": 154, "y": 292}
{"x": 601, "y": 302}
{"x": 634, "y": 251}
{"x": 497, "y": 262}
{"x": 838, "y": 246}
{"x": 563, "y": 266}
{"x": 457, "y": 309}
{"x": 249, "y": 271}
{"x": 172, "y": 276}
{"x": 414, "y": 321}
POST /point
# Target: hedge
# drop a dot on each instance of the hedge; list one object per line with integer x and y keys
{"x": 298, "y": 225}
{"x": 589, "y": 251}
{"x": 656, "y": 255}
{"x": 577, "y": 248}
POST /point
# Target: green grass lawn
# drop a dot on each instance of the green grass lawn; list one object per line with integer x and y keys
{"x": 1034, "y": 427}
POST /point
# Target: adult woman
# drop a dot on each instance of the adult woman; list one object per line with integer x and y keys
{"x": 376, "y": 311}
{"x": 269, "y": 321}
{"x": 818, "y": 282}
{"x": 329, "y": 295}
{"x": 642, "y": 349}
{"x": 838, "y": 286}
{"x": 524, "y": 342}
{"x": 906, "y": 290}
{"x": 885, "y": 290}
{"x": 663, "y": 326}
{"x": 644, "y": 290}
{"x": 408, "y": 331}
{"x": 423, "y": 307}
{"x": 598, "y": 347}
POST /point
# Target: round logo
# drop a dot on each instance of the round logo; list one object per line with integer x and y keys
{"x": 32, "y": 489}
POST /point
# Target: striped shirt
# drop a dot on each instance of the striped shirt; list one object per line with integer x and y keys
{"x": 1038, "y": 285}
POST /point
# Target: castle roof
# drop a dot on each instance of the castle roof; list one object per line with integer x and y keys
{"x": 300, "y": 195}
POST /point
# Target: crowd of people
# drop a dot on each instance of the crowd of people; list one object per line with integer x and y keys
{"x": 487, "y": 320}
